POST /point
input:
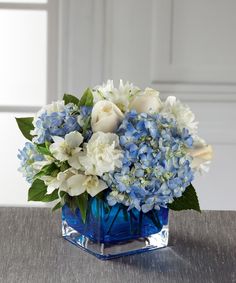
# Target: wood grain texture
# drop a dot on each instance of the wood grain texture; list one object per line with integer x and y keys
{"x": 202, "y": 248}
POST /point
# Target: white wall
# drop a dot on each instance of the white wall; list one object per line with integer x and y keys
{"x": 181, "y": 47}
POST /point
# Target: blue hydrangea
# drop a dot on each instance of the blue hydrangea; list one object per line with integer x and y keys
{"x": 156, "y": 168}
{"x": 84, "y": 120}
{"x": 55, "y": 124}
{"x": 29, "y": 157}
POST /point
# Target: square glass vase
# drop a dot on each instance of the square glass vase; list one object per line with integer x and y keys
{"x": 113, "y": 231}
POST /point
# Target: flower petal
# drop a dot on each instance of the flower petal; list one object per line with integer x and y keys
{"x": 97, "y": 188}
{"x": 74, "y": 139}
{"x": 75, "y": 185}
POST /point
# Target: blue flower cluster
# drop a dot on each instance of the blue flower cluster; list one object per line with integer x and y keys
{"x": 28, "y": 156}
{"x": 84, "y": 120}
{"x": 55, "y": 124}
{"x": 156, "y": 168}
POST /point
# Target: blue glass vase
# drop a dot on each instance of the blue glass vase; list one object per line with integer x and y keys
{"x": 113, "y": 231}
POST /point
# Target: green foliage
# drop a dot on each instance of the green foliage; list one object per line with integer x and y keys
{"x": 87, "y": 98}
{"x": 50, "y": 197}
{"x": 25, "y": 125}
{"x": 43, "y": 149}
{"x": 87, "y": 125}
{"x": 188, "y": 200}
{"x": 48, "y": 170}
{"x": 69, "y": 98}
{"x": 57, "y": 206}
{"x": 80, "y": 202}
{"x": 37, "y": 191}
{"x": 64, "y": 166}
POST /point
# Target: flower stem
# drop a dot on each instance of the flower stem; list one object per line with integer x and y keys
{"x": 151, "y": 215}
{"x": 156, "y": 221}
{"x": 140, "y": 222}
{"x": 109, "y": 230}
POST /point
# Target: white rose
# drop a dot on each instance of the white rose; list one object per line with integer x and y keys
{"x": 202, "y": 154}
{"x": 106, "y": 117}
{"x": 101, "y": 154}
{"x": 148, "y": 102}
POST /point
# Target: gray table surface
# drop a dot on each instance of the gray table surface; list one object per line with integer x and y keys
{"x": 202, "y": 248}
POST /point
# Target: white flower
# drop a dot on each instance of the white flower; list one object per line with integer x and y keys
{"x": 56, "y": 106}
{"x": 202, "y": 155}
{"x": 52, "y": 183}
{"x": 147, "y": 102}
{"x": 106, "y": 117}
{"x": 57, "y": 182}
{"x": 75, "y": 184}
{"x": 173, "y": 108}
{"x": 104, "y": 91}
{"x": 68, "y": 148}
{"x": 101, "y": 154}
{"x": 120, "y": 96}
{"x": 38, "y": 165}
{"x": 67, "y": 184}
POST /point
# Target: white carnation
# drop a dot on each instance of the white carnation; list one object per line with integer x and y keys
{"x": 101, "y": 154}
{"x": 173, "y": 108}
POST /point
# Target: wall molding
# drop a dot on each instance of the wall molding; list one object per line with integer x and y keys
{"x": 164, "y": 73}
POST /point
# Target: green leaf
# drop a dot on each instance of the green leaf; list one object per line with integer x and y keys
{"x": 51, "y": 197}
{"x": 64, "y": 166}
{"x": 125, "y": 213}
{"x": 48, "y": 170}
{"x": 63, "y": 197}
{"x": 47, "y": 144}
{"x": 43, "y": 150}
{"x": 87, "y": 98}
{"x": 77, "y": 202}
{"x": 37, "y": 191}
{"x": 57, "y": 206}
{"x": 82, "y": 203}
{"x": 87, "y": 125}
{"x": 25, "y": 125}
{"x": 101, "y": 196}
{"x": 151, "y": 215}
{"x": 69, "y": 98}
{"x": 188, "y": 200}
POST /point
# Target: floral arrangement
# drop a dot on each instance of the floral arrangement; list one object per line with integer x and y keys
{"x": 123, "y": 144}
